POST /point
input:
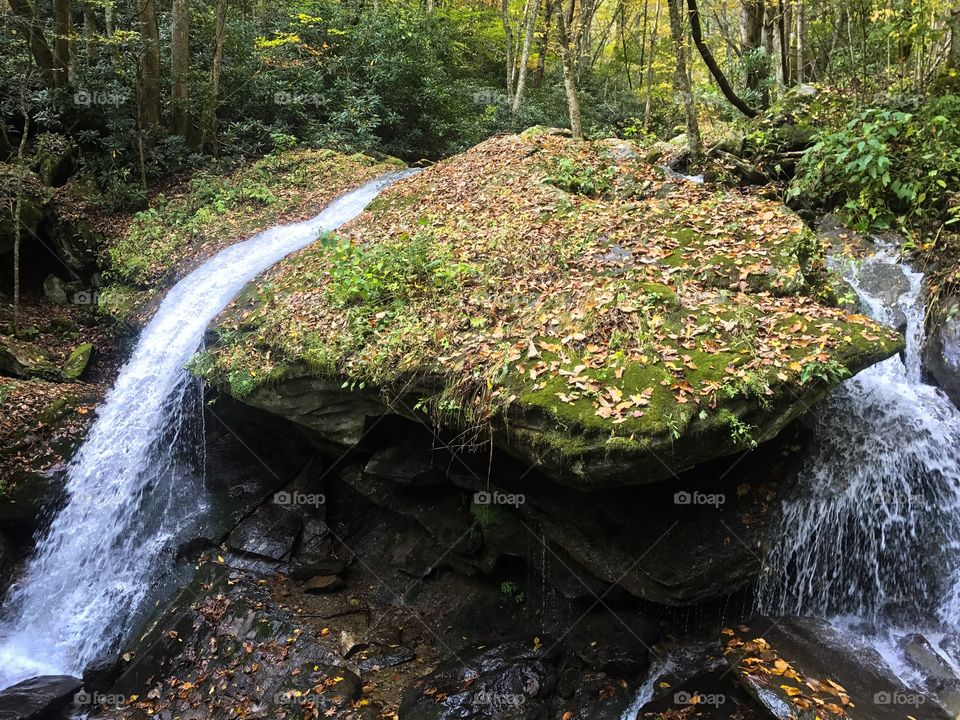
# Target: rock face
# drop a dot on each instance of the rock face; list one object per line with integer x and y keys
{"x": 47, "y": 226}
{"x": 38, "y": 698}
{"x": 22, "y": 359}
{"x": 599, "y": 320}
{"x": 942, "y": 352}
{"x": 804, "y": 668}
{"x": 76, "y": 364}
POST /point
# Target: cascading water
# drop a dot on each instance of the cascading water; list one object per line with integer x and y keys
{"x": 873, "y": 529}
{"x": 136, "y": 485}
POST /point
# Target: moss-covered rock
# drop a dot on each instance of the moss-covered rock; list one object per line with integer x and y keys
{"x": 608, "y": 325}
{"x": 23, "y": 359}
{"x": 77, "y": 363}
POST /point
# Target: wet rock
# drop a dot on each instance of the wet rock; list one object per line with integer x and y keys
{"x": 614, "y": 642}
{"x": 23, "y": 359}
{"x": 405, "y": 465}
{"x": 942, "y": 351}
{"x": 378, "y": 657}
{"x": 249, "y": 650}
{"x": 323, "y": 584}
{"x": 888, "y": 283}
{"x": 939, "y": 677}
{"x": 298, "y": 692}
{"x": 102, "y": 672}
{"x": 38, "y": 698}
{"x": 802, "y": 666}
{"x": 269, "y": 532}
{"x": 328, "y": 565}
{"x": 596, "y": 696}
{"x": 76, "y": 364}
{"x": 513, "y": 679}
{"x": 442, "y": 512}
{"x": 708, "y": 695}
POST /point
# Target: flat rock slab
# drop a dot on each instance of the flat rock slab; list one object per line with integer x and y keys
{"x": 38, "y": 697}
{"x": 802, "y": 668}
{"x": 269, "y": 532}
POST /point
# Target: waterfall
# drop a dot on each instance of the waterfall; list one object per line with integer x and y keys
{"x": 136, "y": 485}
{"x": 873, "y": 528}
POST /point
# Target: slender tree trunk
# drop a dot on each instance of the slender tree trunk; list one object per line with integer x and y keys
{"x": 149, "y": 63}
{"x": 90, "y": 30}
{"x": 18, "y": 205}
{"x": 682, "y": 82}
{"x": 108, "y": 18}
{"x": 648, "y": 82}
{"x": 39, "y": 48}
{"x": 544, "y": 43}
{"x": 953, "y": 23}
{"x": 508, "y": 37}
{"x": 711, "y": 63}
{"x": 210, "y": 113}
{"x": 180, "y": 64}
{"x": 751, "y": 33}
{"x": 533, "y": 12}
{"x": 801, "y": 32}
{"x": 62, "y": 39}
{"x": 569, "y": 75}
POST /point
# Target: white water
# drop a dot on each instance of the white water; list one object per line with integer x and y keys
{"x": 870, "y": 539}
{"x": 136, "y": 487}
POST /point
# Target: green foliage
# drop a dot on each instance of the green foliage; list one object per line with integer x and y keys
{"x": 581, "y": 179}
{"x": 380, "y": 274}
{"x": 828, "y": 372}
{"x": 886, "y": 167}
{"x": 512, "y": 591}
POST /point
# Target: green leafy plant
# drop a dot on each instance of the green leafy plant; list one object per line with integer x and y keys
{"x": 829, "y": 371}
{"x": 581, "y": 179}
{"x": 886, "y": 167}
{"x": 512, "y": 591}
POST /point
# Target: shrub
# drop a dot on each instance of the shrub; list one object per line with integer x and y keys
{"x": 886, "y": 167}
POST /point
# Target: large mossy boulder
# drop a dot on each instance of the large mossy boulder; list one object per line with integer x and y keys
{"x": 611, "y": 325}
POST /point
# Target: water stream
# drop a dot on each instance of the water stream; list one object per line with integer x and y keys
{"x": 870, "y": 538}
{"x": 136, "y": 486}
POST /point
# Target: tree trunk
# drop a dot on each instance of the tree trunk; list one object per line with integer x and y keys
{"x": 90, "y": 30}
{"x": 532, "y": 13}
{"x": 751, "y": 33}
{"x": 210, "y": 112}
{"x": 711, "y": 63}
{"x": 108, "y": 18}
{"x": 149, "y": 63}
{"x": 39, "y": 48}
{"x": 62, "y": 39}
{"x": 180, "y": 64}
{"x": 953, "y": 56}
{"x": 508, "y": 37}
{"x": 682, "y": 82}
{"x": 569, "y": 75}
{"x": 544, "y": 43}
{"x": 648, "y": 82}
{"x": 801, "y": 32}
